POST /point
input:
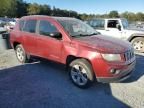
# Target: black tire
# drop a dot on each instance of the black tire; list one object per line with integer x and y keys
{"x": 88, "y": 74}
{"x": 24, "y": 56}
{"x": 138, "y": 44}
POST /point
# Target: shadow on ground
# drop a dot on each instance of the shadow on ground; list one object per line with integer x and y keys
{"x": 46, "y": 84}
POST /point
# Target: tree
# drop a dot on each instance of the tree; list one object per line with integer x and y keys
{"x": 129, "y": 15}
{"x": 83, "y": 16}
{"x": 21, "y": 8}
{"x": 140, "y": 16}
{"x": 113, "y": 14}
{"x": 45, "y": 10}
{"x": 8, "y": 8}
{"x": 33, "y": 9}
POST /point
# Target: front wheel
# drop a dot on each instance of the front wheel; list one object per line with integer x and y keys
{"x": 138, "y": 44}
{"x": 81, "y": 73}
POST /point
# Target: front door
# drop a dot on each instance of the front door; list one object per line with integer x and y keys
{"x": 112, "y": 29}
{"x": 48, "y": 46}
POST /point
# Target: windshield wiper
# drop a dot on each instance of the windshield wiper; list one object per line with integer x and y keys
{"x": 93, "y": 34}
{"x": 82, "y": 35}
{"x": 79, "y": 35}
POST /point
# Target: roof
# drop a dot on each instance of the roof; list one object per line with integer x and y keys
{"x": 107, "y": 18}
{"x": 44, "y": 16}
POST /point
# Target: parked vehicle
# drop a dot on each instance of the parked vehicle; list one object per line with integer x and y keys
{"x": 87, "y": 55}
{"x": 4, "y": 41}
{"x": 4, "y": 38}
{"x": 2, "y": 29}
{"x": 7, "y": 23}
{"x": 9, "y": 26}
{"x": 119, "y": 28}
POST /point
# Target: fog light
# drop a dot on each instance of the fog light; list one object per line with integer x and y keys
{"x": 112, "y": 71}
{"x": 115, "y": 71}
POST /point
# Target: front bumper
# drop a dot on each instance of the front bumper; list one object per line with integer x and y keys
{"x": 124, "y": 74}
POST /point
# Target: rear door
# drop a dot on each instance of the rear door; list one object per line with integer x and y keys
{"x": 47, "y": 46}
{"x": 29, "y": 36}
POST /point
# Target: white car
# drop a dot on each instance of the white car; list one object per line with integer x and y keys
{"x": 119, "y": 28}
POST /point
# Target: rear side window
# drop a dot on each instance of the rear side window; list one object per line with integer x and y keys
{"x": 21, "y": 25}
{"x": 30, "y": 26}
{"x": 97, "y": 24}
{"x": 45, "y": 28}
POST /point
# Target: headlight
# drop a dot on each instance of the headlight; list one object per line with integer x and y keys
{"x": 112, "y": 57}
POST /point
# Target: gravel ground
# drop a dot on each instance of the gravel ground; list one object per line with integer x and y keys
{"x": 44, "y": 84}
{"x": 8, "y": 59}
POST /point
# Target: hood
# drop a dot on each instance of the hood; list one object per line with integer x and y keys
{"x": 135, "y": 30}
{"x": 105, "y": 44}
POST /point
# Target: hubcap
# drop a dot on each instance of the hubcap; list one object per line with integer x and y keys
{"x": 138, "y": 45}
{"x": 79, "y": 75}
{"x": 20, "y": 54}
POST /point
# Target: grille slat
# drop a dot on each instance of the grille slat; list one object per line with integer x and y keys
{"x": 128, "y": 55}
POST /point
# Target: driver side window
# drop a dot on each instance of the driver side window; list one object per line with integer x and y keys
{"x": 112, "y": 23}
{"x": 45, "y": 28}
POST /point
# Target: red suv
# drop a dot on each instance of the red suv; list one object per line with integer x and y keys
{"x": 87, "y": 54}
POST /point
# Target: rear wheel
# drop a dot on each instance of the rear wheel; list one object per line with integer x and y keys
{"x": 21, "y": 54}
{"x": 81, "y": 73}
{"x": 138, "y": 44}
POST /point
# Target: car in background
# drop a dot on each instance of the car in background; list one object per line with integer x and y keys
{"x": 2, "y": 29}
{"x": 86, "y": 54}
{"x": 140, "y": 25}
{"x": 119, "y": 28}
{"x": 7, "y": 23}
{"x": 9, "y": 26}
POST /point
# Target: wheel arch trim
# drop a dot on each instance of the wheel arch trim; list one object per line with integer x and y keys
{"x": 134, "y": 36}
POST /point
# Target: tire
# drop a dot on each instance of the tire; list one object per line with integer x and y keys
{"x": 21, "y": 54}
{"x": 138, "y": 44}
{"x": 81, "y": 73}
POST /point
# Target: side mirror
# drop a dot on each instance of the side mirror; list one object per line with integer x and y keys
{"x": 118, "y": 27}
{"x": 56, "y": 35}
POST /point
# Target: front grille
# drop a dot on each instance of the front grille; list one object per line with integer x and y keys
{"x": 129, "y": 55}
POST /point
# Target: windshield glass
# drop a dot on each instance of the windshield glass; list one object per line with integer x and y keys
{"x": 125, "y": 23}
{"x": 77, "y": 28}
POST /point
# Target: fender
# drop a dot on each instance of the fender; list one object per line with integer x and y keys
{"x": 71, "y": 49}
{"x": 135, "y": 35}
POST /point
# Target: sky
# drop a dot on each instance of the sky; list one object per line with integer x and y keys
{"x": 95, "y": 6}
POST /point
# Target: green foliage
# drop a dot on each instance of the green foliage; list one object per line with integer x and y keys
{"x": 139, "y": 16}
{"x": 64, "y": 13}
{"x": 19, "y": 8}
{"x": 8, "y": 8}
{"x": 113, "y": 14}
{"x": 33, "y": 9}
{"x": 45, "y": 9}
{"x": 132, "y": 16}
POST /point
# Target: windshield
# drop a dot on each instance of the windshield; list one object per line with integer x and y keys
{"x": 77, "y": 28}
{"x": 125, "y": 23}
